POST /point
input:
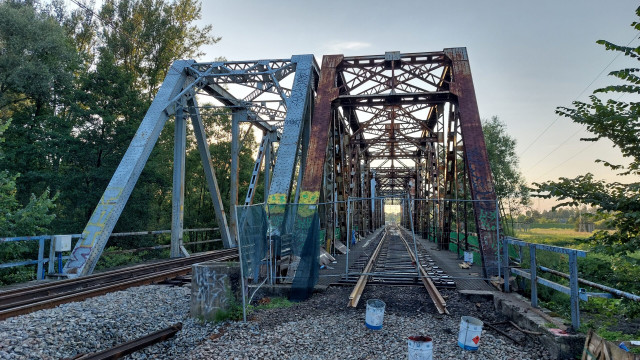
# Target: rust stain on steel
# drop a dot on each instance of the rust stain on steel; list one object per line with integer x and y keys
{"x": 321, "y": 123}
{"x": 477, "y": 159}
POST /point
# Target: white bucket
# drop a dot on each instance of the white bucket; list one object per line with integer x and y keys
{"x": 469, "y": 335}
{"x": 375, "y": 314}
{"x": 468, "y": 257}
{"x": 420, "y": 348}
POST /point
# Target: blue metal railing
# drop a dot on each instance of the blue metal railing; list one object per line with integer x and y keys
{"x": 51, "y": 259}
{"x": 573, "y": 290}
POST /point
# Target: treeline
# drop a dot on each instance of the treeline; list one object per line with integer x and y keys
{"x": 570, "y": 216}
{"x": 74, "y": 87}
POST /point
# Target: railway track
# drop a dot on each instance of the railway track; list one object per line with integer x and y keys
{"x": 25, "y": 300}
{"x": 394, "y": 267}
{"x": 393, "y": 262}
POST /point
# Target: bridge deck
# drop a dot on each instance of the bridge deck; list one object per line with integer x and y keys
{"x": 465, "y": 279}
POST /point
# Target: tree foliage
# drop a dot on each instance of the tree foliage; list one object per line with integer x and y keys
{"x": 618, "y": 121}
{"x": 77, "y": 85}
{"x": 510, "y": 186}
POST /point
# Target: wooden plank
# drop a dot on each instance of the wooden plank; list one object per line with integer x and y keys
{"x": 587, "y": 342}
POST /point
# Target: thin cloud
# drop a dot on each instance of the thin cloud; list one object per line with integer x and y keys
{"x": 346, "y": 46}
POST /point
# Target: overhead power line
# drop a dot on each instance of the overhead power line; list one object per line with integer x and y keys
{"x": 564, "y": 142}
{"x": 577, "y": 97}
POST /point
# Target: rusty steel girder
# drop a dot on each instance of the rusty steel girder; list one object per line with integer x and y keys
{"x": 477, "y": 160}
{"x": 393, "y": 109}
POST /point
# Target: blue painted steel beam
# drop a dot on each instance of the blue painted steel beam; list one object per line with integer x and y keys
{"x": 179, "y": 154}
{"x": 209, "y": 173}
{"x": 557, "y": 249}
{"x": 298, "y": 109}
{"x": 87, "y": 251}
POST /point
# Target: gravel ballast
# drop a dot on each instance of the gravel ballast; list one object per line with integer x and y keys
{"x": 102, "y": 322}
{"x": 324, "y": 328}
{"x": 320, "y": 328}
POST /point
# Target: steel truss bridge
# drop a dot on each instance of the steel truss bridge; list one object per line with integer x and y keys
{"x": 396, "y": 124}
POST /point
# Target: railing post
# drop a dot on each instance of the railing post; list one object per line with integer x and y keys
{"x": 534, "y": 276}
{"x": 40, "y": 267}
{"x": 498, "y": 236}
{"x": 52, "y": 255}
{"x": 505, "y": 261}
{"x": 573, "y": 282}
{"x": 348, "y": 238}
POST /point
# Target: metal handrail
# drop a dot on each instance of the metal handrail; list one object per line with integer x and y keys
{"x": 41, "y": 261}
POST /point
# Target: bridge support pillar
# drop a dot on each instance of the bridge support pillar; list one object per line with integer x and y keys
{"x": 215, "y": 287}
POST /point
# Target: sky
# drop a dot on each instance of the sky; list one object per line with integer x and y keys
{"x": 527, "y": 58}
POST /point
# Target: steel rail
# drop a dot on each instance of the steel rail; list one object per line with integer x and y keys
{"x": 28, "y": 306}
{"x": 28, "y": 293}
{"x": 132, "y": 346}
{"x": 354, "y": 297}
{"x": 435, "y": 295}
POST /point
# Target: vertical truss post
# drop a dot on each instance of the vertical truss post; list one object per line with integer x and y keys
{"x": 238, "y": 115}
{"x": 209, "y": 173}
{"x": 88, "y": 249}
{"x": 268, "y": 160}
{"x": 179, "y": 152}
{"x": 477, "y": 160}
{"x": 451, "y": 170}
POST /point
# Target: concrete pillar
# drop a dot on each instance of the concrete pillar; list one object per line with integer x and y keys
{"x": 215, "y": 289}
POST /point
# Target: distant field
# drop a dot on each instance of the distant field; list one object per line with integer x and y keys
{"x": 566, "y": 237}
{"x": 553, "y": 226}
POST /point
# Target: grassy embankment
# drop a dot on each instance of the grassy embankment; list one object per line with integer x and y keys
{"x": 613, "y": 318}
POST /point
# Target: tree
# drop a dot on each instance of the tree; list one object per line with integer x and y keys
{"x": 146, "y": 36}
{"x": 618, "y": 121}
{"x": 35, "y": 69}
{"x": 510, "y": 186}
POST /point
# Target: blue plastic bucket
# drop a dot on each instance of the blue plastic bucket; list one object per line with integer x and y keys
{"x": 375, "y": 314}
{"x": 470, "y": 331}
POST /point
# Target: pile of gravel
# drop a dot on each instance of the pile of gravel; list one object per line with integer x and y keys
{"x": 320, "y": 328}
{"x": 99, "y": 323}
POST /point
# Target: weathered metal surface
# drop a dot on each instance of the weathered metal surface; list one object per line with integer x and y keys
{"x": 179, "y": 154}
{"x": 238, "y": 115}
{"x": 86, "y": 253}
{"x": 298, "y": 111}
{"x": 477, "y": 160}
{"x": 320, "y": 128}
{"x": 132, "y": 346}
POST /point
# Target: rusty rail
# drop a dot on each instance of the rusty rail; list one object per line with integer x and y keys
{"x": 435, "y": 295}
{"x": 132, "y": 346}
{"x": 354, "y": 297}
